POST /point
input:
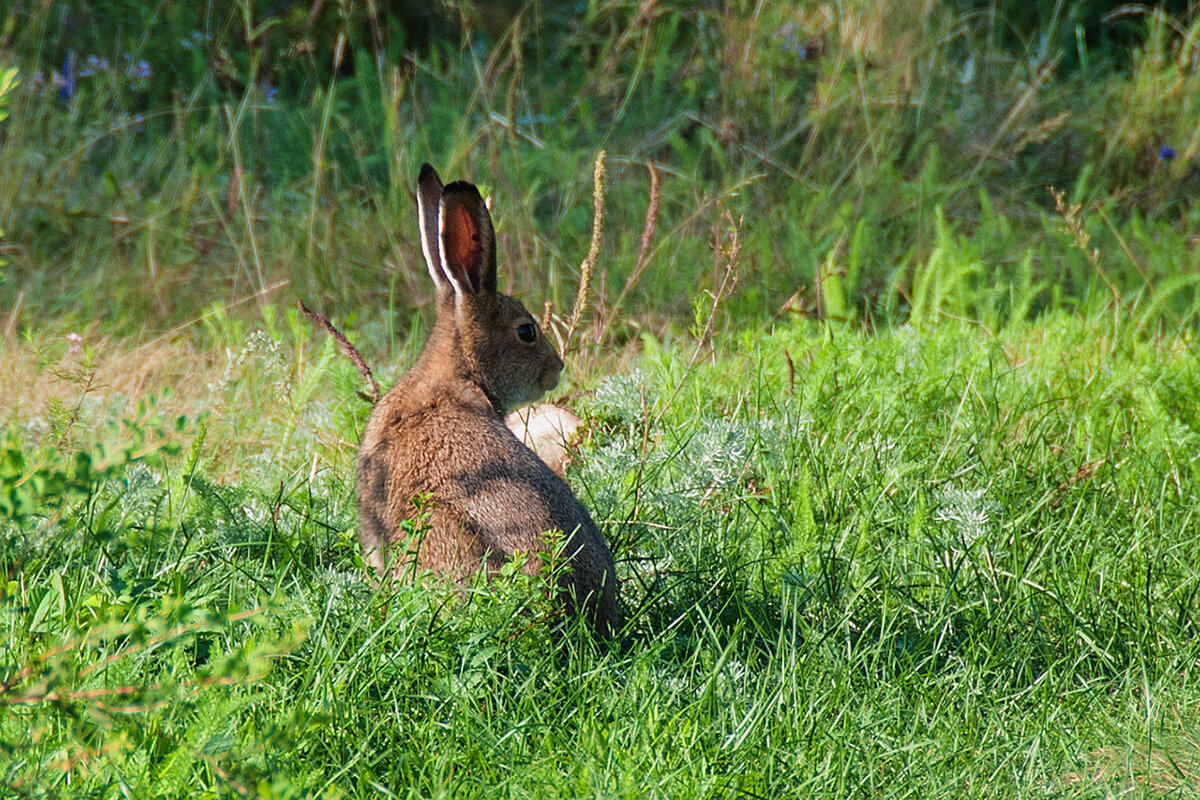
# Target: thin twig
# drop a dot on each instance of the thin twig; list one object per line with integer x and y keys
{"x": 727, "y": 247}
{"x": 727, "y": 285}
{"x": 349, "y": 349}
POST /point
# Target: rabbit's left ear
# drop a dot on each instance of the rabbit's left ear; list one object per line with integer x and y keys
{"x": 429, "y": 202}
{"x": 468, "y": 242}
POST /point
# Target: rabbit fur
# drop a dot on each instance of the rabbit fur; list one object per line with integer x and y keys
{"x": 439, "y": 433}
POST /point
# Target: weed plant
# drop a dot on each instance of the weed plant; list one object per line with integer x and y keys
{"x": 896, "y": 448}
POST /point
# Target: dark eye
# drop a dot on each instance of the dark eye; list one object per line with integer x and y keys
{"x": 527, "y": 331}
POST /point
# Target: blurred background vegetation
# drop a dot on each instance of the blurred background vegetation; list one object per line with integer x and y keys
{"x": 162, "y": 158}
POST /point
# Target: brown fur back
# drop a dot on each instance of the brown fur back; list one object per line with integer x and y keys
{"x": 489, "y": 495}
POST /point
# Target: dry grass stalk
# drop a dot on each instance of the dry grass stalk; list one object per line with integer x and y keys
{"x": 350, "y": 350}
{"x": 1073, "y": 227}
{"x": 589, "y": 262}
{"x": 647, "y": 229}
{"x": 643, "y": 257}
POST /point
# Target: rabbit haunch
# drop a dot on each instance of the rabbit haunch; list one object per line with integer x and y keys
{"x": 440, "y": 432}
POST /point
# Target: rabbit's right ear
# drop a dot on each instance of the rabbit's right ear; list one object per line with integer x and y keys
{"x": 468, "y": 240}
{"x": 429, "y": 201}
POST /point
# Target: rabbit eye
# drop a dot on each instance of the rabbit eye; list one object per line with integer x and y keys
{"x": 527, "y": 331}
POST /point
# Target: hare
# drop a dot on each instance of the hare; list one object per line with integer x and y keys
{"x": 440, "y": 433}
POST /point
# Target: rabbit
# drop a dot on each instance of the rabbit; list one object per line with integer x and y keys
{"x": 439, "y": 433}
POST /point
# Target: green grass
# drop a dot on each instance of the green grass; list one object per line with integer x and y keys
{"x": 897, "y": 458}
{"x": 940, "y": 561}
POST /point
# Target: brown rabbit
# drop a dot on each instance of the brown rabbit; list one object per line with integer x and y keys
{"x": 440, "y": 431}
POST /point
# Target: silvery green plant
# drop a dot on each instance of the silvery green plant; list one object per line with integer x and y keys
{"x": 622, "y": 398}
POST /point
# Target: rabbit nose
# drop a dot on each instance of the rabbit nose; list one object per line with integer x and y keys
{"x": 550, "y": 376}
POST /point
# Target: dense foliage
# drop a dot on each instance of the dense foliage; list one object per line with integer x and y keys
{"x": 217, "y": 149}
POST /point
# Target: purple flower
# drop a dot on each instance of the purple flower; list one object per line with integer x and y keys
{"x": 790, "y": 43}
{"x": 93, "y": 65}
{"x": 1167, "y": 153}
{"x": 137, "y": 71}
{"x": 66, "y": 82}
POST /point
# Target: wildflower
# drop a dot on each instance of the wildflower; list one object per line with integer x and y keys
{"x": 66, "y": 80}
{"x": 790, "y": 42}
{"x": 271, "y": 92}
{"x": 138, "y": 72}
{"x": 74, "y": 344}
{"x": 1166, "y": 153}
{"x": 93, "y": 65}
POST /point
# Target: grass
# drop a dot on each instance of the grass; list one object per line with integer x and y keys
{"x": 838, "y": 136}
{"x": 896, "y": 450}
{"x": 940, "y": 560}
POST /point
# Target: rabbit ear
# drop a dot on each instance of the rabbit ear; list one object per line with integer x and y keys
{"x": 429, "y": 202}
{"x": 468, "y": 242}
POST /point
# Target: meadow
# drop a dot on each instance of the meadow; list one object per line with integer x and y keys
{"x": 881, "y": 318}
